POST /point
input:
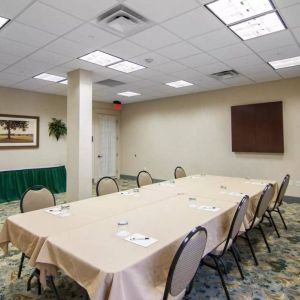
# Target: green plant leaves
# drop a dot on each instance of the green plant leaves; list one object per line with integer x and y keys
{"x": 57, "y": 128}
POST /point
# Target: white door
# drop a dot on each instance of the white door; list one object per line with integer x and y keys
{"x": 106, "y": 158}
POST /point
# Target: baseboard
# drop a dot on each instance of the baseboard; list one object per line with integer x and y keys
{"x": 130, "y": 177}
{"x": 290, "y": 199}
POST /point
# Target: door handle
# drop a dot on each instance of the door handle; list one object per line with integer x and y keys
{"x": 99, "y": 156}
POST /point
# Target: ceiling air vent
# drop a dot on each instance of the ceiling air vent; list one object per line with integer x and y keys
{"x": 110, "y": 82}
{"x": 123, "y": 21}
{"x": 228, "y": 74}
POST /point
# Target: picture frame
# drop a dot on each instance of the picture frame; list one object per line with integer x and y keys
{"x": 19, "y": 132}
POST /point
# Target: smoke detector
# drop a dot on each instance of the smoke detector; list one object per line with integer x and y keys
{"x": 225, "y": 75}
{"x": 123, "y": 21}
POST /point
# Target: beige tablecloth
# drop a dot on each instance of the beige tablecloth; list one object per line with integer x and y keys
{"x": 110, "y": 267}
{"x": 85, "y": 246}
{"x": 29, "y": 231}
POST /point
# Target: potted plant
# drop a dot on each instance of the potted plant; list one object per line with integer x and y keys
{"x": 57, "y": 128}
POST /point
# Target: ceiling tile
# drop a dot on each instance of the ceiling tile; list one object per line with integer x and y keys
{"x": 271, "y": 41}
{"x": 198, "y": 60}
{"x": 212, "y": 68}
{"x": 296, "y": 32}
{"x": 169, "y": 67}
{"x": 78, "y": 64}
{"x": 49, "y": 58}
{"x": 290, "y": 72}
{"x": 280, "y": 53}
{"x": 264, "y": 76}
{"x": 26, "y": 34}
{"x": 91, "y": 36}
{"x": 15, "y": 48}
{"x": 124, "y": 49}
{"x": 85, "y": 10}
{"x": 254, "y": 69}
{"x": 188, "y": 75}
{"x": 28, "y": 67}
{"x": 231, "y": 51}
{"x": 157, "y": 59}
{"x": 31, "y": 84}
{"x": 177, "y": 51}
{"x": 144, "y": 83}
{"x": 10, "y": 78}
{"x": 240, "y": 80}
{"x": 216, "y": 39}
{"x": 9, "y": 9}
{"x": 147, "y": 74}
{"x": 247, "y": 60}
{"x": 8, "y": 59}
{"x": 285, "y": 3}
{"x": 212, "y": 84}
{"x": 48, "y": 19}
{"x": 181, "y": 25}
{"x": 159, "y": 11}
{"x": 291, "y": 15}
{"x": 68, "y": 48}
{"x": 154, "y": 38}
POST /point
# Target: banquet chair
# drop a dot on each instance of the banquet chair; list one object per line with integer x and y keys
{"x": 185, "y": 264}
{"x": 274, "y": 207}
{"x": 143, "y": 178}
{"x": 230, "y": 243}
{"x": 255, "y": 222}
{"x": 34, "y": 198}
{"x": 179, "y": 172}
{"x": 106, "y": 185}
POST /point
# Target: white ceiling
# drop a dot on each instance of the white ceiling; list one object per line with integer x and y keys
{"x": 186, "y": 42}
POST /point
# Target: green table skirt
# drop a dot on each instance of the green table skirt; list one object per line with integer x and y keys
{"x": 14, "y": 183}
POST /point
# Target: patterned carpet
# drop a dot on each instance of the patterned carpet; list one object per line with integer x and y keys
{"x": 277, "y": 276}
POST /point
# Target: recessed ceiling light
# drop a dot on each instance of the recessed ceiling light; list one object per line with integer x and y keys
{"x": 3, "y": 21}
{"x": 64, "y": 81}
{"x": 49, "y": 77}
{"x": 126, "y": 67}
{"x": 285, "y": 63}
{"x": 260, "y": 26}
{"x": 100, "y": 58}
{"x": 129, "y": 94}
{"x": 231, "y": 11}
{"x": 179, "y": 84}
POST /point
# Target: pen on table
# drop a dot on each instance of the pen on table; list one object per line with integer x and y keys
{"x": 139, "y": 239}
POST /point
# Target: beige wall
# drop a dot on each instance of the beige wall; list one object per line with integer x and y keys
{"x": 50, "y": 151}
{"x": 195, "y": 131}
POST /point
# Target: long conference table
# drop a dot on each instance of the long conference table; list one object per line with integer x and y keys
{"x": 85, "y": 246}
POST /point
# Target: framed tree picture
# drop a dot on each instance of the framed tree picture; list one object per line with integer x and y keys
{"x": 19, "y": 132}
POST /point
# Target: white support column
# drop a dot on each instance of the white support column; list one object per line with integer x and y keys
{"x": 79, "y": 140}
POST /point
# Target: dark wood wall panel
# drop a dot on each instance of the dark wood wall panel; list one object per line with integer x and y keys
{"x": 257, "y": 128}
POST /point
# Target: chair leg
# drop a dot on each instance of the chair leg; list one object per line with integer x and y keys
{"x": 29, "y": 281}
{"x": 282, "y": 218}
{"x": 237, "y": 252}
{"x": 265, "y": 239}
{"x": 224, "y": 266}
{"x": 234, "y": 254}
{"x": 251, "y": 248}
{"x": 221, "y": 277}
{"x": 273, "y": 223}
{"x": 53, "y": 287}
{"x": 21, "y": 265}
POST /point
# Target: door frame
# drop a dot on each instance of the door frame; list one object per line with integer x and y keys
{"x": 96, "y": 136}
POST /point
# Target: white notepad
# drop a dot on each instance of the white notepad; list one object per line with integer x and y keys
{"x": 130, "y": 193}
{"x": 141, "y": 240}
{"x": 208, "y": 208}
{"x": 56, "y": 211}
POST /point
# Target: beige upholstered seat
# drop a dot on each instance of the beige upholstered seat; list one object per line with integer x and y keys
{"x": 106, "y": 185}
{"x": 185, "y": 264}
{"x": 179, "y": 172}
{"x": 35, "y": 198}
{"x": 144, "y": 178}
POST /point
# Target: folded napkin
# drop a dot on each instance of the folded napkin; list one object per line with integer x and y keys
{"x": 208, "y": 208}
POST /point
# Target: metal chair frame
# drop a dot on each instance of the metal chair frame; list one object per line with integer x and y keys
{"x": 178, "y": 167}
{"x": 137, "y": 178}
{"x": 102, "y": 178}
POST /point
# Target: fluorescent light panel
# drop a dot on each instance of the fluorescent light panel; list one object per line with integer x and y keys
{"x": 260, "y": 26}
{"x": 232, "y": 11}
{"x": 49, "y": 77}
{"x": 179, "y": 84}
{"x": 64, "y": 81}
{"x": 129, "y": 94}
{"x": 126, "y": 67}
{"x": 100, "y": 58}
{"x": 285, "y": 63}
{"x": 3, "y": 21}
